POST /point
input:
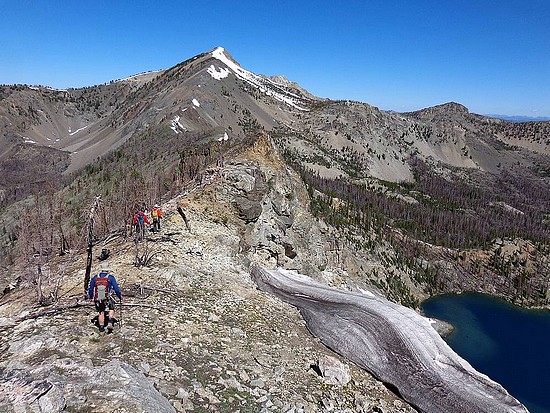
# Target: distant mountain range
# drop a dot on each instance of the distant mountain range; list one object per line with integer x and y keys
{"x": 519, "y": 118}
{"x": 442, "y": 175}
{"x": 404, "y": 205}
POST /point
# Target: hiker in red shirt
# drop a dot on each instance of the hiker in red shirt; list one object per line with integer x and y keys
{"x": 139, "y": 221}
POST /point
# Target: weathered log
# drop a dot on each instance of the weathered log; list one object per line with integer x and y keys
{"x": 152, "y": 307}
{"x": 54, "y": 311}
{"x": 162, "y": 239}
{"x": 60, "y": 309}
{"x": 169, "y": 234}
{"x": 394, "y": 343}
{"x": 162, "y": 290}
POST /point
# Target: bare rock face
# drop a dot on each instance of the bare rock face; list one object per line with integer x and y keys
{"x": 126, "y": 383}
{"x": 68, "y": 389}
{"x": 251, "y": 183}
{"x": 393, "y": 342}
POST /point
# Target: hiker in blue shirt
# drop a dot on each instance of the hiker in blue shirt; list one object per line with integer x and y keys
{"x": 101, "y": 292}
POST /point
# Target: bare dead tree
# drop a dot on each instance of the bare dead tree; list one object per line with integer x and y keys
{"x": 143, "y": 256}
{"x": 91, "y": 219}
{"x": 184, "y": 217}
{"x": 33, "y": 247}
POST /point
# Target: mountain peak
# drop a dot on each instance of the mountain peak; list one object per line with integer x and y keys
{"x": 279, "y": 91}
{"x": 445, "y": 109}
{"x": 281, "y": 79}
{"x": 224, "y": 56}
{"x": 452, "y": 107}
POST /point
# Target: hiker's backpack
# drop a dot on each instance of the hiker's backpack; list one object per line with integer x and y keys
{"x": 101, "y": 288}
{"x": 140, "y": 219}
{"x": 155, "y": 213}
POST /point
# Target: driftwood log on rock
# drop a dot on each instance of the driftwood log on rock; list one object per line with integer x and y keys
{"x": 393, "y": 342}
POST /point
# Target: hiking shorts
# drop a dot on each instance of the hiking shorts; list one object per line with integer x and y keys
{"x": 104, "y": 304}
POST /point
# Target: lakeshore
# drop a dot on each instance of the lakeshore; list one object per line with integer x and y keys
{"x": 504, "y": 341}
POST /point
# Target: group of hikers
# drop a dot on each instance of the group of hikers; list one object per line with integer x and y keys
{"x": 103, "y": 286}
{"x": 140, "y": 219}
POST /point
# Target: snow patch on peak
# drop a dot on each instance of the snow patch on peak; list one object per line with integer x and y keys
{"x": 176, "y": 126}
{"x": 265, "y": 85}
{"x": 218, "y": 53}
{"x": 196, "y": 103}
{"x": 218, "y": 73}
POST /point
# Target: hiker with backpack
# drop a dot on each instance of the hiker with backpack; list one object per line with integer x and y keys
{"x": 156, "y": 214}
{"x": 139, "y": 221}
{"x": 101, "y": 292}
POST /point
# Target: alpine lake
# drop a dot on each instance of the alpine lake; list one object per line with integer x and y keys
{"x": 508, "y": 343}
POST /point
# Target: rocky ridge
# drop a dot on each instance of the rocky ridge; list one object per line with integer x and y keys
{"x": 195, "y": 333}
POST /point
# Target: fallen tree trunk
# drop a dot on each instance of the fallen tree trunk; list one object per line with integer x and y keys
{"x": 393, "y": 342}
{"x": 57, "y": 310}
{"x": 54, "y": 311}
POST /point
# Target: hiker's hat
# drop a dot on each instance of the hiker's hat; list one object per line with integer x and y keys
{"x": 157, "y": 206}
{"x": 104, "y": 267}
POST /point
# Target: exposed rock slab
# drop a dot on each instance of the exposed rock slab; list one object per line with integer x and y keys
{"x": 393, "y": 342}
{"x": 111, "y": 387}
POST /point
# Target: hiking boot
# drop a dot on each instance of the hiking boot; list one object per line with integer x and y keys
{"x": 101, "y": 329}
{"x": 110, "y": 328}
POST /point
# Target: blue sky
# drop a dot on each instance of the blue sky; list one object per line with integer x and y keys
{"x": 491, "y": 56}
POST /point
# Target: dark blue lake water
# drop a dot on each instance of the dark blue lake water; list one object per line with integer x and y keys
{"x": 509, "y": 344}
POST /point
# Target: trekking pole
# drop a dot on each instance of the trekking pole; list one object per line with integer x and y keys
{"x": 120, "y": 302}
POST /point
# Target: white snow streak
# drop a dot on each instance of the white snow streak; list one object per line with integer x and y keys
{"x": 78, "y": 130}
{"x": 218, "y": 75}
{"x": 175, "y": 124}
{"x": 196, "y": 103}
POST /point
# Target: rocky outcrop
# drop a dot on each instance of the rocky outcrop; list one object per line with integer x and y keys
{"x": 66, "y": 384}
{"x": 393, "y": 342}
{"x": 197, "y": 336}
